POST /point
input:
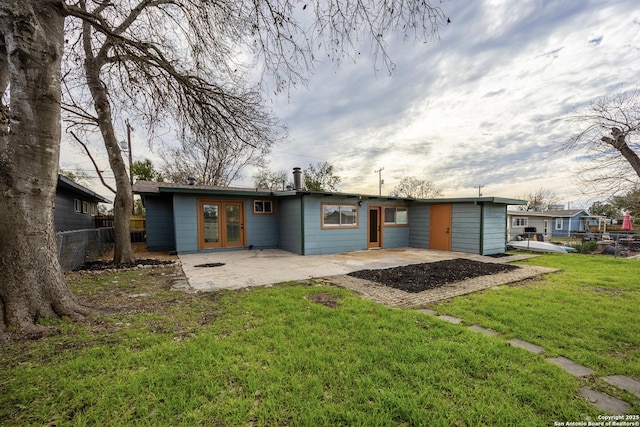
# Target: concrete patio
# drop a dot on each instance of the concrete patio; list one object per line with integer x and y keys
{"x": 246, "y": 268}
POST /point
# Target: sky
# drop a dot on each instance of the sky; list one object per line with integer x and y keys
{"x": 481, "y": 106}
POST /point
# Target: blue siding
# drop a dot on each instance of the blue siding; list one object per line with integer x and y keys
{"x": 494, "y": 233}
{"x": 419, "y": 217}
{"x": 289, "y": 215}
{"x": 261, "y": 230}
{"x": 160, "y": 228}
{"x": 185, "y": 222}
{"x": 465, "y": 228}
{"x": 327, "y": 241}
{"x": 65, "y": 217}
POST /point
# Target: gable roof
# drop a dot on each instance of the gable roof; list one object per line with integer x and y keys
{"x": 557, "y": 213}
{"x": 152, "y": 187}
{"x": 567, "y": 212}
{"x": 85, "y": 193}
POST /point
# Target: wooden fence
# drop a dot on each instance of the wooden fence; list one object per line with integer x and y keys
{"x": 136, "y": 222}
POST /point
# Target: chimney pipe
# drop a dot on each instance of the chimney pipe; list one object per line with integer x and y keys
{"x": 297, "y": 179}
{"x": 191, "y": 180}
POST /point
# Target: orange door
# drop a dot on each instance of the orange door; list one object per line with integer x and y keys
{"x": 440, "y": 227}
{"x": 374, "y": 232}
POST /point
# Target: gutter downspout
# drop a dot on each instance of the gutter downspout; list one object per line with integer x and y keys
{"x": 481, "y": 243}
{"x": 302, "y": 249}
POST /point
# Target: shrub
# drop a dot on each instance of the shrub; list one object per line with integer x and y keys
{"x": 585, "y": 247}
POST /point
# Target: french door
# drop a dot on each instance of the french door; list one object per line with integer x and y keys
{"x": 220, "y": 224}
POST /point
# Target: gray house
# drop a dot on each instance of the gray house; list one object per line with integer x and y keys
{"x": 75, "y": 206}
{"x": 193, "y": 218}
{"x": 521, "y": 222}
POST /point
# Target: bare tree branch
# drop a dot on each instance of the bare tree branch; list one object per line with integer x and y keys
{"x": 95, "y": 165}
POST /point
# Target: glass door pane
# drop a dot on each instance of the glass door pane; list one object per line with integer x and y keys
{"x": 233, "y": 223}
{"x": 211, "y": 223}
{"x": 373, "y": 226}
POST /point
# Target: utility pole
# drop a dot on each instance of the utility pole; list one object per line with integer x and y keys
{"x": 479, "y": 187}
{"x": 130, "y": 154}
{"x": 133, "y": 200}
{"x": 380, "y": 180}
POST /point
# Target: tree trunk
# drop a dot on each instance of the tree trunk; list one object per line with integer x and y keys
{"x": 123, "y": 202}
{"x": 31, "y": 281}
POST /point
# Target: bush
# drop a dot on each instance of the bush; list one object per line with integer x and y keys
{"x": 585, "y": 247}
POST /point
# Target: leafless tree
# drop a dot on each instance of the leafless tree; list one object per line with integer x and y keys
{"x": 416, "y": 188}
{"x": 608, "y": 134}
{"x": 211, "y": 161}
{"x": 538, "y": 201}
{"x": 150, "y": 60}
{"x": 275, "y": 181}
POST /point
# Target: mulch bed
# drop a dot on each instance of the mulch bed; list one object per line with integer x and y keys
{"x": 419, "y": 277}
{"x": 109, "y": 265}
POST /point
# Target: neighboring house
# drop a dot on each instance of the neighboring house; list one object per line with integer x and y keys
{"x": 194, "y": 218}
{"x": 569, "y": 222}
{"x": 75, "y": 206}
{"x": 521, "y": 222}
{"x": 550, "y": 223}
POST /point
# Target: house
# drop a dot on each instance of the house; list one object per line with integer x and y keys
{"x": 75, "y": 206}
{"x": 570, "y": 222}
{"x": 194, "y": 218}
{"x": 550, "y": 223}
{"x": 525, "y": 222}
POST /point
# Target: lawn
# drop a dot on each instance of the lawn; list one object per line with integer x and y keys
{"x": 302, "y": 354}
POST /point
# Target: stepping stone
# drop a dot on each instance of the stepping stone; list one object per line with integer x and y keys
{"x": 527, "y": 346}
{"x": 571, "y": 367}
{"x": 604, "y": 402}
{"x": 450, "y": 319}
{"x": 427, "y": 311}
{"x": 625, "y": 383}
{"x": 482, "y": 330}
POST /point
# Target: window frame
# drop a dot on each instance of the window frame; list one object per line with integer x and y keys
{"x": 270, "y": 201}
{"x": 395, "y": 223}
{"x": 559, "y": 223}
{"x": 520, "y": 221}
{"x": 340, "y": 226}
{"x": 77, "y": 206}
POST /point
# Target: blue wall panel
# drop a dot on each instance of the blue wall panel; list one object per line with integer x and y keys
{"x": 494, "y": 233}
{"x": 185, "y": 222}
{"x": 261, "y": 229}
{"x": 289, "y": 215}
{"x": 465, "y": 227}
{"x": 419, "y": 217}
{"x": 334, "y": 240}
{"x": 159, "y": 223}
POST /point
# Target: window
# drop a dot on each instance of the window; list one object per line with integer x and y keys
{"x": 558, "y": 223}
{"x": 77, "y": 205}
{"x": 85, "y": 207}
{"x": 396, "y": 216}
{"x": 520, "y": 222}
{"x": 344, "y": 216}
{"x": 93, "y": 209}
{"x": 262, "y": 207}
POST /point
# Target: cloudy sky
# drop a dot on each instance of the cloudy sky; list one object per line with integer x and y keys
{"x": 481, "y": 106}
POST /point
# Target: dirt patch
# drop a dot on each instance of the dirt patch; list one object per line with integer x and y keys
{"x": 326, "y": 299}
{"x": 420, "y": 277}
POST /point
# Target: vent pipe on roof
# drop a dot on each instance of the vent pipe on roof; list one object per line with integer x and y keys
{"x": 297, "y": 179}
{"x": 191, "y": 180}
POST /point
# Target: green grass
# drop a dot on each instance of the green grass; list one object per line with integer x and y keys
{"x": 274, "y": 356}
{"x": 588, "y": 312}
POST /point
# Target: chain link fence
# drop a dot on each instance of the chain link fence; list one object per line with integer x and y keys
{"x": 79, "y": 246}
